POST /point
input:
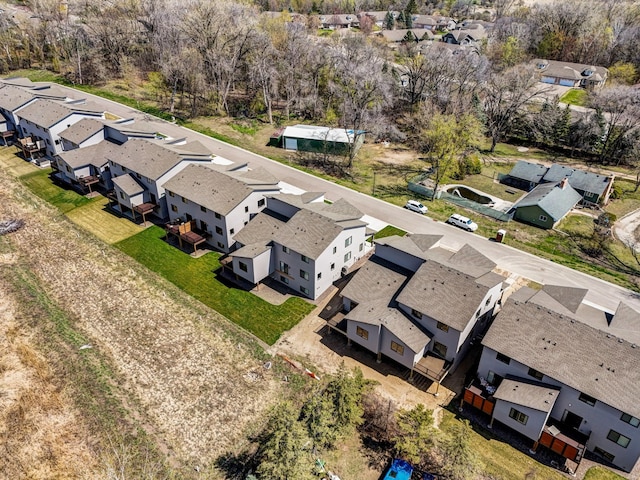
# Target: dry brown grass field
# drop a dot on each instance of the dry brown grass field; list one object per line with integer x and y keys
{"x": 170, "y": 373}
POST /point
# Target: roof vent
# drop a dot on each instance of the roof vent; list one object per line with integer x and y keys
{"x": 633, "y": 345}
{"x": 620, "y": 340}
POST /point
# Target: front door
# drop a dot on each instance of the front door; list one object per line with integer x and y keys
{"x": 571, "y": 420}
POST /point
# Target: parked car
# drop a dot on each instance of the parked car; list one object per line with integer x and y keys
{"x": 463, "y": 222}
{"x": 416, "y": 206}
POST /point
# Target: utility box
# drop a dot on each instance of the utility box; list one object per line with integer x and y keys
{"x": 500, "y": 235}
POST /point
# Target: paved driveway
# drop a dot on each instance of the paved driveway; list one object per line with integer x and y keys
{"x": 537, "y": 269}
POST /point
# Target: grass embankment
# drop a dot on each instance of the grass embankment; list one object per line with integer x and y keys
{"x": 601, "y": 473}
{"x": 195, "y": 276}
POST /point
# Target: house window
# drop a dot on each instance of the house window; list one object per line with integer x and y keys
{"x": 360, "y": 247}
{"x": 348, "y": 241}
{"x": 284, "y": 279}
{"x": 304, "y": 259}
{"x": 243, "y": 266}
{"x": 442, "y": 326}
{"x": 396, "y": 347}
{"x": 535, "y": 374}
{"x": 604, "y": 454}
{"x": 486, "y": 304}
{"x": 203, "y": 209}
{"x": 335, "y": 249}
{"x": 138, "y": 175}
{"x": 174, "y": 208}
{"x": 219, "y": 230}
{"x": 587, "y": 399}
{"x": 304, "y": 274}
{"x": 184, "y": 200}
{"x": 494, "y": 379}
{"x": 543, "y": 218}
{"x": 416, "y": 313}
{"x": 246, "y": 209}
{"x": 361, "y": 332}
{"x": 122, "y": 195}
{"x": 618, "y": 438}
{"x": 68, "y": 169}
{"x": 232, "y": 231}
{"x": 518, "y": 416}
{"x": 633, "y": 421}
{"x": 319, "y": 275}
{"x": 347, "y": 257}
{"x": 304, "y": 290}
{"x": 284, "y": 268}
{"x": 261, "y": 202}
{"x": 440, "y": 349}
{"x": 503, "y": 358}
{"x": 171, "y": 194}
{"x": 333, "y": 266}
{"x": 217, "y": 215}
{"x": 285, "y": 249}
{"x": 203, "y": 226}
{"x": 221, "y": 245}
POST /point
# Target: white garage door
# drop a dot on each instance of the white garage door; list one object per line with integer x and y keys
{"x": 291, "y": 143}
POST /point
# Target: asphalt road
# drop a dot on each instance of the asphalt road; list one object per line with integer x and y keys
{"x": 534, "y": 268}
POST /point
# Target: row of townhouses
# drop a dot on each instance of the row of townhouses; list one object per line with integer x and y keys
{"x": 559, "y": 370}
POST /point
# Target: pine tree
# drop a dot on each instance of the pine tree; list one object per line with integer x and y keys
{"x": 281, "y": 455}
{"x": 412, "y": 7}
{"x": 389, "y": 21}
{"x": 318, "y": 416}
{"x": 345, "y": 392}
{"x": 460, "y": 461}
{"x": 415, "y": 433}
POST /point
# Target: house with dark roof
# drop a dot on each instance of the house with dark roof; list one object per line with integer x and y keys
{"x": 88, "y": 167}
{"x": 301, "y": 242}
{"x": 419, "y": 304}
{"x": 571, "y": 74}
{"x": 149, "y": 164}
{"x": 466, "y": 36}
{"x": 594, "y": 188}
{"x": 565, "y": 374}
{"x": 546, "y": 204}
{"x": 43, "y": 120}
{"x": 84, "y": 133}
{"x": 339, "y": 20}
{"x": 217, "y": 203}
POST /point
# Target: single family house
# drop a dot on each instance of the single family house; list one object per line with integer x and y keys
{"x": 546, "y": 204}
{"x": 571, "y": 74}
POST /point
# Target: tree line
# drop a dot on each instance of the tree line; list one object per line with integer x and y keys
{"x": 229, "y": 58}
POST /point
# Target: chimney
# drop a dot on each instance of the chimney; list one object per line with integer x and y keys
{"x": 563, "y": 183}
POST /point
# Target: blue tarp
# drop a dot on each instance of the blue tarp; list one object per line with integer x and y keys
{"x": 399, "y": 470}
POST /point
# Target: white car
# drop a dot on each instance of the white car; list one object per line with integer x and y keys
{"x": 463, "y": 222}
{"x": 416, "y": 206}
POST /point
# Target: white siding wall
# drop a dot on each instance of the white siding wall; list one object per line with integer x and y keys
{"x": 398, "y": 257}
{"x": 408, "y": 358}
{"x": 535, "y": 422}
{"x": 372, "y": 343}
{"x": 295, "y": 280}
{"x": 597, "y": 419}
{"x": 257, "y": 267}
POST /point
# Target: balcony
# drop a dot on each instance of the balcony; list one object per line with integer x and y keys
{"x": 480, "y": 395}
{"x": 186, "y": 231}
{"x": 564, "y": 441}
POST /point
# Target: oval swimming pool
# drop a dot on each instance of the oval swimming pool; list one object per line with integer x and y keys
{"x": 469, "y": 194}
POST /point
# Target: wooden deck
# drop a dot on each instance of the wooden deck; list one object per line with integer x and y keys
{"x": 432, "y": 367}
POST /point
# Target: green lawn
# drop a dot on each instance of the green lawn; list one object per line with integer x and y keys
{"x": 104, "y": 224}
{"x": 388, "y": 231}
{"x": 500, "y": 459}
{"x": 575, "y": 96}
{"x": 65, "y": 200}
{"x": 15, "y": 164}
{"x": 196, "y": 277}
{"x": 601, "y": 473}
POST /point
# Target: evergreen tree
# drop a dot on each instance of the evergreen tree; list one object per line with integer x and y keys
{"x": 318, "y": 416}
{"x": 412, "y": 7}
{"x": 408, "y": 19}
{"x": 345, "y": 392}
{"x": 400, "y": 21}
{"x": 460, "y": 461}
{"x": 409, "y": 37}
{"x": 389, "y": 21}
{"x": 415, "y": 434}
{"x": 281, "y": 455}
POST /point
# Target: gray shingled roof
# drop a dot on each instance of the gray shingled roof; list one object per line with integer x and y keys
{"x": 250, "y": 251}
{"x": 12, "y": 97}
{"x": 82, "y": 130}
{"x": 416, "y": 244}
{"x": 470, "y": 261}
{"x": 256, "y": 176}
{"x": 556, "y": 172}
{"x": 209, "y": 188}
{"x": 45, "y": 113}
{"x": 96, "y": 155}
{"x": 146, "y": 157}
{"x": 260, "y": 230}
{"x": 20, "y": 81}
{"x": 374, "y": 281}
{"x": 531, "y": 172}
{"x": 128, "y": 184}
{"x": 526, "y": 394}
{"x": 551, "y": 198}
{"x": 578, "y": 179}
{"x": 569, "y": 297}
{"x": 578, "y": 355}
{"x": 377, "y": 313}
{"x": 425, "y": 241}
{"x": 569, "y": 70}
{"x": 444, "y": 294}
